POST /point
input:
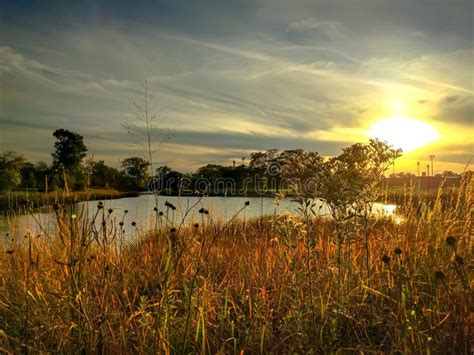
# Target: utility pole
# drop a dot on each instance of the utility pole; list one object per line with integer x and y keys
{"x": 428, "y": 182}
{"x": 432, "y": 156}
{"x": 418, "y": 177}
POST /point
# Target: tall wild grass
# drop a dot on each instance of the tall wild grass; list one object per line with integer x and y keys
{"x": 98, "y": 284}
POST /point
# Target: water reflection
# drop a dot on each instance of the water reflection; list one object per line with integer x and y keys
{"x": 141, "y": 211}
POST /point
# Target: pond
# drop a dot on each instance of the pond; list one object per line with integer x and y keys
{"x": 141, "y": 211}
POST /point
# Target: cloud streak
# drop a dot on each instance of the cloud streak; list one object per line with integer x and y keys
{"x": 232, "y": 76}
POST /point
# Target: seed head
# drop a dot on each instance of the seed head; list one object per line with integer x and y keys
{"x": 160, "y": 213}
{"x": 173, "y": 230}
{"x": 56, "y": 206}
{"x": 398, "y": 251}
{"x": 110, "y": 210}
{"x": 196, "y": 225}
{"x": 100, "y": 205}
{"x": 134, "y": 224}
{"x": 201, "y": 210}
{"x": 247, "y": 203}
{"x": 9, "y": 252}
{"x": 439, "y": 275}
{"x": 451, "y": 241}
{"x": 120, "y": 223}
{"x": 155, "y": 209}
{"x": 386, "y": 259}
{"x": 459, "y": 259}
{"x": 126, "y": 211}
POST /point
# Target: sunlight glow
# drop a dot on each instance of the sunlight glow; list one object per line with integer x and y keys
{"x": 397, "y": 106}
{"x": 405, "y": 133}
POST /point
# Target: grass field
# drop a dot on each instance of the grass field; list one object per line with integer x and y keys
{"x": 243, "y": 287}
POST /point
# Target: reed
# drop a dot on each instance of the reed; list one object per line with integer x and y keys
{"x": 101, "y": 284}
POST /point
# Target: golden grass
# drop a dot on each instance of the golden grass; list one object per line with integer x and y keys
{"x": 242, "y": 287}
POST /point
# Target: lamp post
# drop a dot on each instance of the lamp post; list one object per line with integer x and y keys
{"x": 432, "y": 156}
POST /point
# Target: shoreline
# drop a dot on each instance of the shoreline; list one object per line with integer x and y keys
{"x": 18, "y": 200}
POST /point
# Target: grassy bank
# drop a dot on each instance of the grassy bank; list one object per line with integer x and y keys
{"x": 241, "y": 287}
{"x": 18, "y": 200}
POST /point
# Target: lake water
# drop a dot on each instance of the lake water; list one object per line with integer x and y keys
{"x": 141, "y": 211}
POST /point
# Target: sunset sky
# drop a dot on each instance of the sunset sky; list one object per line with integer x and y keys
{"x": 233, "y": 77}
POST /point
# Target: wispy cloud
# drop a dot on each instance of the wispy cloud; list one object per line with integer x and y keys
{"x": 232, "y": 76}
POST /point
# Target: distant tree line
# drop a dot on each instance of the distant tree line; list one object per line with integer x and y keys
{"x": 72, "y": 170}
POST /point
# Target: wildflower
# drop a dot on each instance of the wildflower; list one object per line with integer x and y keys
{"x": 160, "y": 213}
{"x": 126, "y": 211}
{"x": 451, "y": 241}
{"x": 110, "y": 210}
{"x": 134, "y": 224}
{"x": 206, "y": 212}
{"x": 155, "y": 209}
{"x": 100, "y": 205}
{"x": 73, "y": 216}
{"x": 398, "y": 251}
{"x": 247, "y": 203}
{"x": 173, "y": 208}
{"x": 386, "y": 259}
{"x": 120, "y": 223}
{"x": 439, "y": 275}
{"x": 201, "y": 210}
{"x": 196, "y": 225}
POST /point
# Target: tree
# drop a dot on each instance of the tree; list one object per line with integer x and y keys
{"x": 353, "y": 183}
{"x": 168, "y": 179}
{"x": 102, "y": 175}
{"x": 69, "y": 151}
{"x": 27, "y": 172}
{"x": 304, "y": 173}
{"x": 135, "y": 170}
{"x": 10, "y": 170}
{"x": 41, "y": 175}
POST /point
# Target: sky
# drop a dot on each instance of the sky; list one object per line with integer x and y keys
{"x": 227, "y": 78}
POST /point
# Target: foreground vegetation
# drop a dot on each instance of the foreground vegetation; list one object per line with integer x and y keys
{"x": 284, "y": 284}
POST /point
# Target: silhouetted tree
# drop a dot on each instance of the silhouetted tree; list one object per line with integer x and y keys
{"x": 136, "y": 173}
{"x": 69, "y": 151}
{"x": 10, "y": 170}
{"x": 102, "y": 175}
{"x": 28, "y": 179}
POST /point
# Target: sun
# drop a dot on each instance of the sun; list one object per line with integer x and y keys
{"x": 405, "y": 133}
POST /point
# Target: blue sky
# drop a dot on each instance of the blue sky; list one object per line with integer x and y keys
{"x": 232, "y": 77}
